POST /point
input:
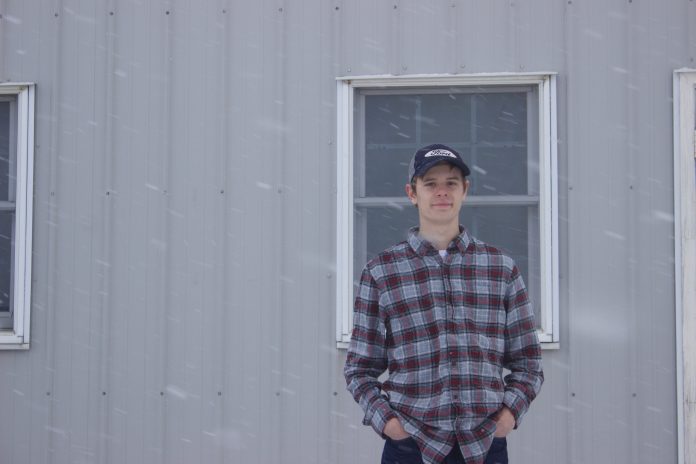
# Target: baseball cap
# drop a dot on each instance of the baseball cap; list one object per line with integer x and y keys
{"x": 428, "y": 156}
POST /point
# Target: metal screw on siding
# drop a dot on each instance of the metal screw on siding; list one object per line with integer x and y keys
{"x": 166, "y": 12}
{"x": 222, "y": 191}
{"x": 328, "y": 276}
{"x": 337, "y": 8}
{"x": 395, "y": 7}
{"x": 277, "y": 393}
{"x": 572, "y": 394}
{"x": 335, "y": 393}
{"x": 219, "y": 393}
{"x": 161, "y": 393}
{"x": 48, "y": 393}
{"x": 224, "y": 11}
{"x": 404, "y": 68}
{"x": 55, "y": 15}
{"x": 635, "y": 394}
{"x": 103, "y": 393}
{"x": 280, "y": 9}
{"x": 111, "y": 13}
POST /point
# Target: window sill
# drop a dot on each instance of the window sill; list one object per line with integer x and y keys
{"x": 10, "y": 341}
{"x": 544, "y": 345}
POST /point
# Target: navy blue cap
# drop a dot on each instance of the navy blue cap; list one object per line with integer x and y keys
{"x": 427, "y": 157}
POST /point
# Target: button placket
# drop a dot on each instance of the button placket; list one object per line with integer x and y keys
{"x": 450, "y": 334}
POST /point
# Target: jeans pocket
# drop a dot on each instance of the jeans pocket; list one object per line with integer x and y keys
{"x": 407, "y": 444}
{"x": 499, "y": 443}
{"x": 404, "y": 451}
{"x": 497, "y": 453}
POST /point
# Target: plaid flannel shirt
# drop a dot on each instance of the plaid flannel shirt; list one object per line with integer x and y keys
{"x": 444, "y": 328}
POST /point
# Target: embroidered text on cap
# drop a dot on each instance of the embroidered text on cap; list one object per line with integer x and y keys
{"x": 439, "y": 152}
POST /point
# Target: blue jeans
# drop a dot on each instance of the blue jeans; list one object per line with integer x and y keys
{"x": 407, "y": 452}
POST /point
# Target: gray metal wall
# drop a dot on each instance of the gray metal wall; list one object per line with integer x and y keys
{"x": 183, "y": 287}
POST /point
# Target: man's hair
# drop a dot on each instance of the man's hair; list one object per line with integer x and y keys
{"x": 415, "y": 178}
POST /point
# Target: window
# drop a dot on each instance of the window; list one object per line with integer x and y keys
{"x": 16, "y": 174}
{"x": 504, "y": 127}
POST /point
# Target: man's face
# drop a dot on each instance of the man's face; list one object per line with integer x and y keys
{"x": 439, "y": 195}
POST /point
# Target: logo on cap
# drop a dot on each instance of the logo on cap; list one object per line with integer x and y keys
{"x": 439, "y": 152}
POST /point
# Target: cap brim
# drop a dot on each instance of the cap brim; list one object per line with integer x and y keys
{"x": 425, "y": 167}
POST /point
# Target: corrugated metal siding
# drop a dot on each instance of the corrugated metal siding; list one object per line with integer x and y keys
{"x": 183, "y": 302}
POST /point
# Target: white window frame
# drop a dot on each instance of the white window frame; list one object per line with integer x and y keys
{"x": 548, "y": 198}
{"x": 18, "y": 336}
{"x": 684, "y": 92}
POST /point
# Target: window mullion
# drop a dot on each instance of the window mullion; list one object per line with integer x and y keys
{"x": 474, "y": 200}
{"x": 8, "y": 206}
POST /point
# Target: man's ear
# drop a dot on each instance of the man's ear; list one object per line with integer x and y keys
{"x": 411, "y": 193}
{"x": 466, "y": 188}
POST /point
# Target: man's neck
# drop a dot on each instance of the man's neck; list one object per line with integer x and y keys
{"x": 439, "y": 235}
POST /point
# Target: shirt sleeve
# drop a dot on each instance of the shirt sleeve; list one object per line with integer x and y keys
{"x": 367, "y": 357}
{"x": 522, "y": 349}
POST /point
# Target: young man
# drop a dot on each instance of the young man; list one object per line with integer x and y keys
{"x": 444, "y": 313}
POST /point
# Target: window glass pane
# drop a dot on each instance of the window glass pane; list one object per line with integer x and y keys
{"x": 445, "y": 119}
{"x": 513, "y": 229}
{"x": 387, "y": 171}
{"x": 492, "y": 130}
{"x": 391, "y": 118}
{"x": 383, "y": 227}
{"x": 501, "y": 117}
{"x": 499, "y": 171}
{"x": 6, "y": 244}
{"x": 7, "y": 148}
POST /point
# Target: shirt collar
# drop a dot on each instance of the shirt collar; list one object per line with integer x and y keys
{"x": 423, "y": 247}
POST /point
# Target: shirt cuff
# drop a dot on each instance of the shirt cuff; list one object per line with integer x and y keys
{"x": 378, "y": 415}
{"x": 517, "y": 404}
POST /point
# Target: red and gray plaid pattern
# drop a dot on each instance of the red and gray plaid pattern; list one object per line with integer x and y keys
{"x": 444, "y": 328}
